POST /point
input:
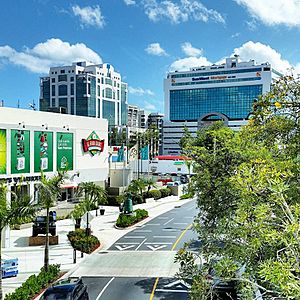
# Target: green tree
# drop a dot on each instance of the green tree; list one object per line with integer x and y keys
{"x": 136, "y": 189}
{"x": 48, "y": 193}
{"x": 11, "y": 213}
{"x": 93, "y": 196}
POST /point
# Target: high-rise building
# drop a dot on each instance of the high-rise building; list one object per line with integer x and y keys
{"x": 205, "y": 94}
{"x": 136, "y": 117}
{"x": 156, "y": 119}
{"x": 85, "y": 89}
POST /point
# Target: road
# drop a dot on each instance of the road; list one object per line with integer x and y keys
{"x": 140, "y": 265}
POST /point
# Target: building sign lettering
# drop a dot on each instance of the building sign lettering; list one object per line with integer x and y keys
{"x": 93, "y": 144}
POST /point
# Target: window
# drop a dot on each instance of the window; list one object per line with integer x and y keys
{"x": 62, "y": 71}
{"x": 62, "y": 90}
{"x": 102, "y": 80}
{"x": 63, "y": 102}
{"x": 108, "y": 111}
{"x": 72, "y": 106}
{"x": 53, "y": 90}
{"x": 71, "y": 78}
{"x": 72, "y": 88}
{"x": 53, "y": 102}
{"x": 108, "y": 93}
{"x": 108, "y": 81}
{"x": 52, "y": 79}
{"x": 98, "y": 80}
{"x": 98, "y": 90}
{"x": 62, "y": 77}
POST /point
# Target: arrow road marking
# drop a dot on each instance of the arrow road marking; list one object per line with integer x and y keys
{"x": 156, "y": 247}
{"x": 124, "y": 247}
{"x": 178, "y": 283}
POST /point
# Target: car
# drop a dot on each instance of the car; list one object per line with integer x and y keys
{"x": 39, "y": 224}
{"x": 164, "y": 180}
{"x": 9, "y": 266}
{"x": 69, "y": 289}
{"x": 184, "y": 179}
{"x": 173, "y": 183}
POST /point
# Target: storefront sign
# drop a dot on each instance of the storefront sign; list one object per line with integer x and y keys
{"x": 2, "y": 151}
{"x": 20, "y": 151}
{"x": 43, "y": 151}
{"x": 93, "y": 144}
{"x": 200, "y": 78}
{"x": 64, "y": 149}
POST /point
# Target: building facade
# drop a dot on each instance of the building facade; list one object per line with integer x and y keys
{"x": 205, "y": 94}
{"x": 85, "y": 89}
{"x": 157, "y": 120}
{"x": 136, "y": 117}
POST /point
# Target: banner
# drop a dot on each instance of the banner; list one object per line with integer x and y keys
{"x": 121, "y": 156}
{"x": 64, "y": 150}
{"x": 133, "y": 153}
{"x": 144, "y": 153}
{"x": 2, "y": 151}
{"x": 20, "y": 151}
{"x": 43, "y": 151}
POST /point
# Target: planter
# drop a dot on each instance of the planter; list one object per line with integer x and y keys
{"x": 102, "y": 210}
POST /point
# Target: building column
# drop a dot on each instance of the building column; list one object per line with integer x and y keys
{"x": 6, "y": 230}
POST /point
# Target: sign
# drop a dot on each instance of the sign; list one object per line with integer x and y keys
{"x": 20, "y": 151}
{"x": 144, "y": 153}
{"x": 2, "y": 151}
{"x": 43, "y": 151}
{"x": 93, "y": 144}
{"x": 64, "y": 150}
{"x": 200, "y": 78}
{"x": 218, "y": 77}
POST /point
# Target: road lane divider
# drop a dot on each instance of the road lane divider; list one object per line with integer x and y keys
{"x": 138, "y": 247}
{"x": 105, "y": 287}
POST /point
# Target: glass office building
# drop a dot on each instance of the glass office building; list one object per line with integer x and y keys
{"x": 207, "y": 93}
{"x": 87, "y": 90}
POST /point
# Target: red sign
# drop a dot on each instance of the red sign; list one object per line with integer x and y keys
{"x": 93, "y": 144}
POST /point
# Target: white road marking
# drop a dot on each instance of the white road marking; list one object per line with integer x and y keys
{"x": 142, "y": 230}
{"x": 127, "y": 243}
{"x": 134, "y": 237}
{"x": 169, "y": 221}
{"x": 164, "y": 236}
{"x": 152, "y": 224}
{"x": 180, "y": 283}
{"x": 140, "y": 244}
{"x": 156, "y": 247}
{"x": 163, "y": 218}
{"x": 171, "y": 229}
{"x": 171, "y": 291}
{"x": 125, "y": 247}
{"x": 103, "y": 290}
{"x": 165, "y": 243}
{"x": 180, "y": 223}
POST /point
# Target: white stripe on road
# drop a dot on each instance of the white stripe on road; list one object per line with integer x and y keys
{"x": 103, "y": 290}
{"x": 134, "y": 237}
{"x": 171, "y": 229}
{"x": 141, "y": 244}
{"x": 142, "y": 230}
{"x": 169, "y": 221}
{"x": 127, "y": 243}
{"x": 171, "y": 291}
{"x": 164, "y": 236}
{"x": 152, "y": 224}
{"x": 163, "y": 218}
{"x": 181, "y": 223}
{"x": 164, "y": 243}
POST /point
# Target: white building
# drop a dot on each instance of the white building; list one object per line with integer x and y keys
{"x": 204, "y": 94}
{"x": 136, "y": 117}
{"x": 85, "y": 89}
{"x": 31, "y": 141}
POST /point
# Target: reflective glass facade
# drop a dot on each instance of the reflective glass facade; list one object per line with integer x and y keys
{"x": 235, "y": 102}
{"x": 108, "y": 111}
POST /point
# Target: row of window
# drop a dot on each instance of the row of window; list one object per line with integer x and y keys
{"x": 216, "y": 73}
{"x": 216, "y": 81}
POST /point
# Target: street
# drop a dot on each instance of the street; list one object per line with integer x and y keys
{"x": 140, "y": 265}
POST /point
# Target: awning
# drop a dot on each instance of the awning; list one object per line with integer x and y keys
{"x": 69, "y": 185}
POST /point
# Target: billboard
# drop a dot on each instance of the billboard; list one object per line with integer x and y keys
{"x": 64, "y": 150}
{"x": 43, "y": 151}
{"x": 20, "y": 151}
{"x": 2, "y": 151}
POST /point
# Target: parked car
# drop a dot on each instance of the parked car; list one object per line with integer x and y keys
{"x": 9, "y": 266}
{"x": 164, "y": 180}
{"x": 173, "y": 183}
{"x": 70, "y": 289}
{"x": 184, "y": 179}
{"x": 39, "y": 224}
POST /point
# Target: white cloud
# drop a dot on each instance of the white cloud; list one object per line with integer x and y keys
{"x": 149, "y": 106}
{"x": 129, "y": 2}
{"x": 179, "y": 12}
{"x": 184, "y": 64}
{"x": 274, "y": 12}
{"x": 53, "y": 52}
{"x": 89, "y": 16}
{"x": 262, "y": 53}
{"x": 189, "y": 50}
{"x": 155, "y": 49}
{"x": 139, "y": 91}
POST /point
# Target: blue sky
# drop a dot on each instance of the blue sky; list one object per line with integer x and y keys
{"x": 142, "y": 39}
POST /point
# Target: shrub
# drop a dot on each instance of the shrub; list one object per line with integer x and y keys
{"x": 165, "y": 192}
{"x": 128, "y": 220}
{"x": 187, "y": 196}
{"x": 35, "y": 283}
{"x": 156, "y": 194}
{"x": 81, "y": 242}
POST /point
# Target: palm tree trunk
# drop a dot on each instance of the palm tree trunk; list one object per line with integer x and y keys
{"x": 46, "y": 256}
{"x": 1, "y": 291}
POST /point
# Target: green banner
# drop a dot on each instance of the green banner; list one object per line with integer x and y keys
{"x": 20, "y": 151}
{"x": 2, "y": 151}
{"x": 64, "y": 143}
{"x": 43, "y": 151}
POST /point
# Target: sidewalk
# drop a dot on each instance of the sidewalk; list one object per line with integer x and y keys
{"x": 31, "y": 258}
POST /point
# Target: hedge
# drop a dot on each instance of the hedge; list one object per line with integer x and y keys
{"x": 156, "y": 194}
{"x": 35, "y": 284}
{"x": 165, "y": 192}
{"x": 81, "y": 242}
{"x": 128, "y": 220}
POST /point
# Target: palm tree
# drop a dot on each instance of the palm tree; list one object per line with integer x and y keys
{"x": 94, "y": 195}
{"x": 136, "y": 189}
{"x": 150, "y": 183}
{"x": 11, "y": 213}
{"x": 48, "y": 192}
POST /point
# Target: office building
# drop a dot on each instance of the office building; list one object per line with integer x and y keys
{"x": 136, "y": 117}
{"x": 202, "y": 95}
{"x": 157, "y": 120}
{"x": 85, "y": 89}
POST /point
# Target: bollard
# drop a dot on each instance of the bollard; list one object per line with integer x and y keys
{"x": 74, "y": 256}
{"x": 81, "y": 254}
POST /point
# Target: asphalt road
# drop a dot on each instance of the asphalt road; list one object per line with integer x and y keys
{"x": 164, "y": 234}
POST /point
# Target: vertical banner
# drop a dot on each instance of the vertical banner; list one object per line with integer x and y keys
{"x": 43, "y": 151}
{"x": 144, "y": 153}
{"x": 20, "y": 151}
{"x": 64, "y": 150}
{"x": 2, "y": 151}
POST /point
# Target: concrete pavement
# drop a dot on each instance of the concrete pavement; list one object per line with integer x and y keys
{"x": 31, "y": 258}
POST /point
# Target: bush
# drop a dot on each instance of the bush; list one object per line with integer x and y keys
{"x": 35, "y": 283}
{"x": 165, "y": 192}
{"x": 128, "y": 220}
{"x": 81, "y": 242}
{"x": 187, "y": 196}
{"x": 156, "y": 194}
